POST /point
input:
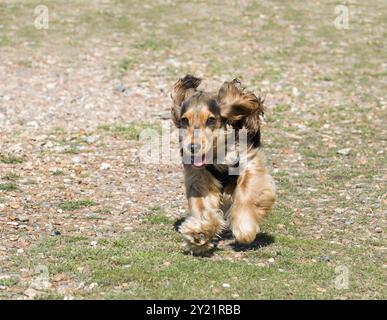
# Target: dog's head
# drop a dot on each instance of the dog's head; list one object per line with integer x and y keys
{"x": 202, "y": 117}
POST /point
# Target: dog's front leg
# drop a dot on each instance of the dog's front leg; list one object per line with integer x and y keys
{"x": 253, "y": 198}
{"x": 206, "y": 219}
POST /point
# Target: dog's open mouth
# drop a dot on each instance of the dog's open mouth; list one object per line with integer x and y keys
{"x": 198, "y": 161}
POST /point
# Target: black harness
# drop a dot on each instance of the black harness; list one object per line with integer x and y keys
{"x": 222, "y": 176}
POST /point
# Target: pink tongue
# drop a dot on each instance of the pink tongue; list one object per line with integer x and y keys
{"x": 198, "y": 163}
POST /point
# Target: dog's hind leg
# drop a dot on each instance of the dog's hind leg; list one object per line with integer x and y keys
{"x": 253, "y": 198}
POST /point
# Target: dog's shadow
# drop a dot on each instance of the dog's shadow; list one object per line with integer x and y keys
{"x": 262, "y": 240}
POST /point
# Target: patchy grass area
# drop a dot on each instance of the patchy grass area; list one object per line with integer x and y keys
{"x": 11, "y": 176}
{"x": 148, "y": 263}
{"x": 8, "y": 186}
{"x": 76, "y": 204}
{"x": 10, "y": 159}
{"x": 102, "y": 73}
{"x": 129, "y": 131}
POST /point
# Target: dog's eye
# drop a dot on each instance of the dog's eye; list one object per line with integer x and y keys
{"x": 211, "y": 121}
{"x": 184, "y": 122}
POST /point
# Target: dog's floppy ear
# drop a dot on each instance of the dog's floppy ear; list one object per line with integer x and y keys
{"x": 182, "y": 90}
{"x": 239, "y": 106}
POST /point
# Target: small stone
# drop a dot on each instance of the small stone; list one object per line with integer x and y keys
{"x": 40, "y": 284}
{"x": 105, "y": 166}
{"x": 166, "y": 263}
{"x": 14, "y": 205}
{"x": 378, "y": 230}
{"x": 90, "y": 139}
{"x": 226, "y": 285}
{"x": 93, "y": 243}
{"x": 22, "y": 218}
{"x": 216, "y": 290}
{"x": 78, "y": 169}
{"x": 119, "y": 86}
{"x": 324, "y": 258}
{"x": 76, "y": 159}
{"x": 55, "y": 233}
{"x": 30, "y": 293}
{"x": 271, "y": 261}
{"x": 319, "y": 289}
{"x": 92, "y": 286}
{"x": 344, "y": 151}
{"x": 295, "y": 92}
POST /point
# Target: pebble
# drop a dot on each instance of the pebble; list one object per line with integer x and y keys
{"x": 166, "y": 263}
{"x": 295, "y": 92}
{"x": 344, "y": 152}
{"x": 30, "y": 293}
{"x": 324, "y": 258}
{"x": 105, "y": 166}
{"x": 90, "y": 139}
{"x": 226, "y": 285}
{"x": 76, "y": 159}
{"x": 55, "y": 233}
{"x": 280, "y": 226}
{"x": 22, "y": 218}
{"x": 92, "y": 286}
{"x": 119, "y": 86}
{"x": 271, "y": 260}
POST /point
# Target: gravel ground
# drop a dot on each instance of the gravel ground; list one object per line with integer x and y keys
{"x": 68, "y": 169}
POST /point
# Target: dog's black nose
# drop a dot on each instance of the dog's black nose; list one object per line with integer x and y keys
{"x": 194, "y": 147}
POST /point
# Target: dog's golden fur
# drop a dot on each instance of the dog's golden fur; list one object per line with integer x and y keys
{"x": 215, "y": 198}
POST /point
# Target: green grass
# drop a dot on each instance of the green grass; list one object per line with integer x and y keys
{"x": 11, "y": 176}
{"x": 151, "y": 262}
{"x": 157, "y": 216}
{"x": 10, "y": 159}
{"x": 125, "y": 65}
{"x": 57, "y": 173}
{"x": 73, "y": 149}
{"x": 321, "y": 219}
{"x": 129, "y": 131}
{"x": 76, "y": 204}
{"x": 8, "y": 186}
{"x": 8, "y": 282}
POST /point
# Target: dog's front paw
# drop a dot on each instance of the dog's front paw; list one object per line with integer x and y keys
{"x": 198, "y": 234}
